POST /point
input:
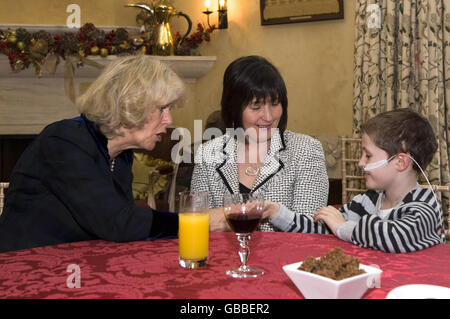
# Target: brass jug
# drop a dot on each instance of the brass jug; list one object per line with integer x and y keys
{"x": 162, "y": 36}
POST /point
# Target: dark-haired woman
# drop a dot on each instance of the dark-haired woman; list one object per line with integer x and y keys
{"x": 257, "y": 154}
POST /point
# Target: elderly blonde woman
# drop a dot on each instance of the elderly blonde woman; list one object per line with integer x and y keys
{"x": 73, "y": 182}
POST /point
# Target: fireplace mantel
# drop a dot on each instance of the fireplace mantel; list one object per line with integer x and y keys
{"x": 190, "y": 68}
{"x": 29, "y": 103}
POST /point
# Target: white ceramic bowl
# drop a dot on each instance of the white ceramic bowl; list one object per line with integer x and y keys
{"x": 314, "y": 286}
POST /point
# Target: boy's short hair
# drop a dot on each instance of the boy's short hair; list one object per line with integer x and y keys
{"x": 403, "y": 131}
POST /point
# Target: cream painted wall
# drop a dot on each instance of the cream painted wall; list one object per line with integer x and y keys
{"x": 316, "y": 59}
{"x": 53, "y": 12}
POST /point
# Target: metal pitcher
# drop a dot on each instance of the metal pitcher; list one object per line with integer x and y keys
{"x": 162, "y": 36}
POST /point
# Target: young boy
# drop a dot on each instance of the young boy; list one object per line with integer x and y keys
{"x": 395, "y": 214}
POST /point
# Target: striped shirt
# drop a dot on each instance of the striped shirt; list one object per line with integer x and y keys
{"x": 414, "y": 224}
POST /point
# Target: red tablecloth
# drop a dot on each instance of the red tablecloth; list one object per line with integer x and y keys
{"x": 149, "y": 269}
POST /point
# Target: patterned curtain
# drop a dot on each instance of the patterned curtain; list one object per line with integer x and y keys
{"x": 402, "y": 60}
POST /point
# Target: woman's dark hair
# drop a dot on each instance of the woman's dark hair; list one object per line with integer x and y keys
{"x": 247, "y": 78}
{"x": 403, "y": 131}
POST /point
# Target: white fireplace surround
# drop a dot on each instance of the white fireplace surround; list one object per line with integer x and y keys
{"x": 29, "y": 103}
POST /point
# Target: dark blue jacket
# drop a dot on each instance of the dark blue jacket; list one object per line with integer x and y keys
{"x": 62, "y": 190}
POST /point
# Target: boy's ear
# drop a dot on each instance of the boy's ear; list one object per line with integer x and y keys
{"x": 403, "y": 162}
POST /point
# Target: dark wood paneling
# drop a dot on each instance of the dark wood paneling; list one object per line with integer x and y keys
{"x": 335, "y": 192}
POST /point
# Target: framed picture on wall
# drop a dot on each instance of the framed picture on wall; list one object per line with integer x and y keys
{"x": 294, "y": 11}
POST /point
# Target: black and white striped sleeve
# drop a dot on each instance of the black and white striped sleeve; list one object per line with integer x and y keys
{"x": 288, "y": 221}
{"x": 413, "y": 226}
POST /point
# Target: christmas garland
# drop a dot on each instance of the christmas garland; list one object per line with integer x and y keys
{"x": 44, "y": 49}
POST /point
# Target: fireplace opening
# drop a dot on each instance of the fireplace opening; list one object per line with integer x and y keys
{"x": 11, "y": 148}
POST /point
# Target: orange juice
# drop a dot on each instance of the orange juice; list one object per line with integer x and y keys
{"x": 193, "y": 235}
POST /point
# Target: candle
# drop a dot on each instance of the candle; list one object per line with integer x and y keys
{"x": 207, "y": 4}
{"x": 221, "y": 4}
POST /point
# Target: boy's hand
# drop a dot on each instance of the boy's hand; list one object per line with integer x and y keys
{"x": 331, "y": 216}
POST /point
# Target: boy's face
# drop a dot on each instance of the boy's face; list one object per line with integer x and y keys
{"x": 379, "y": 178}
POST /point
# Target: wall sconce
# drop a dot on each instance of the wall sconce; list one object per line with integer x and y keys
{"x": 223, "y": 13}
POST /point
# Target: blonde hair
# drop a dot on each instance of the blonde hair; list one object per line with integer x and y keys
{"x": 127, "y": 90}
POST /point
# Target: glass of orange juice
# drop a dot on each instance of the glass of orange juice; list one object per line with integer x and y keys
{"x": 193, "y": 229}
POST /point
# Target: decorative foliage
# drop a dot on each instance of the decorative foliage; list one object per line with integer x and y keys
{"x": 194, "y": 40}
{"x": 44, "y": 49}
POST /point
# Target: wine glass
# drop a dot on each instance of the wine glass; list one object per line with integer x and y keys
{"x": 243, "y": 213}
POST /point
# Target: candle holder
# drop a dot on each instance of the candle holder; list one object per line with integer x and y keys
{"x": 207, "y": 12}
{"x": 222, "y": 13}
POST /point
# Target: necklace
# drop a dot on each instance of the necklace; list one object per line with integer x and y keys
{"x": 252, "y": 170}
{"x": 111, "y": 166}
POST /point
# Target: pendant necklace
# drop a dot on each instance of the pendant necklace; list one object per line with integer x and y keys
{"x": 252, "y": 170}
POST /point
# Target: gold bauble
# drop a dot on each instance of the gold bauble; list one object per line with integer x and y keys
{"x": 138, "y": 41}
{"x": 95, "y": 50}
{"x": 12, "y": 38}
{"x": 18, "y": 66}
{"x": 21, "y": 45}
{"x": 39, "y": 46}
{"x": 39, "y": 72}
{"x": 104, "y": 52}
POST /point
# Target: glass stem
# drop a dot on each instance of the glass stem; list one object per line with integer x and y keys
{"x": 244, "y": 251}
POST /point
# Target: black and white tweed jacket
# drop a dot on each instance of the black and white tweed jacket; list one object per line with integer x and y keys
{"x": 293, "y": 173}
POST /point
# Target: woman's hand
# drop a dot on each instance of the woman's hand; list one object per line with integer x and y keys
{"x": 217, "y": 221}
{"x": 331, "y": 216}
{"x": 271, "y": 210}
